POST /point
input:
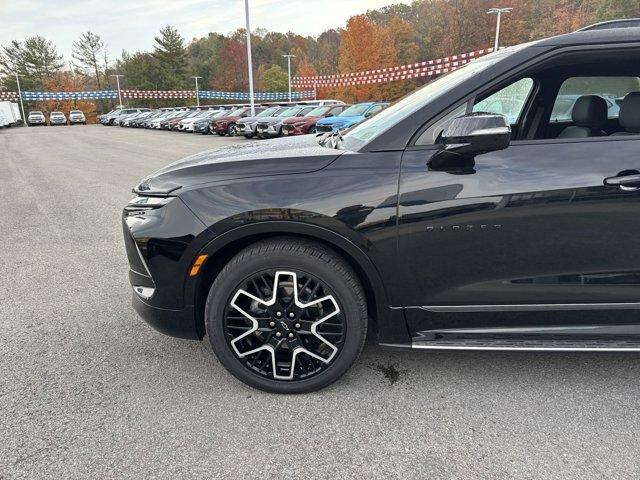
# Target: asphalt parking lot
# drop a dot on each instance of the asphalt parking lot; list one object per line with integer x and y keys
{"x": 87, "y": 390}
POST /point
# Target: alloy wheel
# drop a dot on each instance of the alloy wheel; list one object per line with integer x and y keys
{"x": 284, "y": 325}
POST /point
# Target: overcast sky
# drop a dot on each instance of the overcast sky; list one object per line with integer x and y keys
{"x": 132, "y": 24}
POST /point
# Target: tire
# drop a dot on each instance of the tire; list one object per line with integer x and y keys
{"x": 248, "y": 136}
{"x": 232, "y": 130}
{"x": 312, "y": 130}
{"x": 339, "y": 314}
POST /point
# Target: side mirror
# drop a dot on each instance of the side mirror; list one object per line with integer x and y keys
{"x": 329, "y": 115}
{"x": 471, "y": 135}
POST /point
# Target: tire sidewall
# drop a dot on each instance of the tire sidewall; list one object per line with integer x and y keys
{"x": 225, "y": 285}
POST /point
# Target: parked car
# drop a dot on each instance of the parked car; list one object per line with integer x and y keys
{"x": 57, "y": 118}
{"x": 201, "y": 125}
{"x": 3, "y": 120}
{"x": 307, "y": 124}
{"x": 142, "y": 118}
{"x": 77, "y": 116}
{"x": 114, "y": 119}
{"x": 186, "y": 124}
{"x": 247, "y": 126}
{"x": 443, "y": 224}
{"x": 36, "y": 117}
{"x": 272, "y": 126}
{"x": 353, "y": 115}
{"x": 227, "y": 125}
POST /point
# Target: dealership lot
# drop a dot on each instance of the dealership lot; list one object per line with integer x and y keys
{"x": 88, "y": 390}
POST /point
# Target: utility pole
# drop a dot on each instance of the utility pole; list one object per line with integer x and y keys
{"x": 246, "y": 14}
{"x": 289, "y": 57}
{"x": 24, "y": 119}
{"x": 498, "y": 12}
{"x": 197, "y": 91}
{"x": 118, "y": 82}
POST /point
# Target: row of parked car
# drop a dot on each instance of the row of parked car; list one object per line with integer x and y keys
{"x": 267, "y": 121}
{"x": 37, "y": 118}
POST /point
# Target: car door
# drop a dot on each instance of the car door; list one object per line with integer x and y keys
{"x": 526, "y": 236}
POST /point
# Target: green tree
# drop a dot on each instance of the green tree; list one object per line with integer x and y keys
{"x": 34, "y": 60}
{"x": 171, "y": 54}
{"x": 275, "y": 79}
{"x": 87, "y": 51}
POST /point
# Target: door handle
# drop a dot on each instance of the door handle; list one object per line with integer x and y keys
{"x": 625, "y": 182}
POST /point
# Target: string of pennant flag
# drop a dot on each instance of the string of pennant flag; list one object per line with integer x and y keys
{"x": 154, "y": 94}
{"x": 427, "y": 68}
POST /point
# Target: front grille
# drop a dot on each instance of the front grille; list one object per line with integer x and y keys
{"x": 323, "y": 128}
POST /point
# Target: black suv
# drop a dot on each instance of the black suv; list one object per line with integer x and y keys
{"x": 480, "y": 212}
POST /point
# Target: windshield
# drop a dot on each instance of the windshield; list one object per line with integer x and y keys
{"x": 268, "y": 112}
{"x": 236, "y": 113}
{"x": 56, "y": 113}
{"x": 289, "y": 112}
{"x": 317, "y": 112}
{"x": 76, "y": 111}
{"x": 405, "y": 107}
{"x": 355, "y": 110}
{"x": 35, "y": 113}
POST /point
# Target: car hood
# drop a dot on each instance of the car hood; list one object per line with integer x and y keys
{"x": 242, "y": 160}
{"x": 340, "y": 120}
{"x": 292, "y": 120}
{"x": 226, "y": 119}
{"x": 271, "y": 120}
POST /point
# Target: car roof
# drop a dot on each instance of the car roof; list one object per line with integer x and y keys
{"x": 596, "y": 36}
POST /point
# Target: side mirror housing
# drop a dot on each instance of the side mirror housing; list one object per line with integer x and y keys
{"x": 471, "y": 135}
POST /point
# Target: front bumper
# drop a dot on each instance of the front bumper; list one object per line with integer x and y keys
{"x": 160, "y": 243}
{"x": 176, "y": 323}
{"x": 219, "y": 128}
{"x": 290, "y": 130}
{"x": 267, "y": 131}
{"x": 247, "y": 129}
{"x": 77, "y": 120}
{"x": 58, "y": 122}
{"x": 38, "y": 121}
{"x": 201, "y": 127}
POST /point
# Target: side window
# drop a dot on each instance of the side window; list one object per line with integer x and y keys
{"x": 431, "y": 134}
{"x": 509, "y": 101}
{"x": 612, "y": 89}
{"x": 374, "y": 110}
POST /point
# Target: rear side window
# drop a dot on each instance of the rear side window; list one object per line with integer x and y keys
{"x": 509, "y": 101}
{"x": 612, "y": 89}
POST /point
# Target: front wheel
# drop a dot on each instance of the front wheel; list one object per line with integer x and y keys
{"x": 313, "y": 130}
{"x": 232, "y": 130}
{"x": 286, "y": 316}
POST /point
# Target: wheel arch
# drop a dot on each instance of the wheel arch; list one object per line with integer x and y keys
{"x": 224, "y": 247}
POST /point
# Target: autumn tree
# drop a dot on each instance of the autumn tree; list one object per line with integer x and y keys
{"x": 87, "y": 52}
{"x": 232, "y": 73}
{"x": 171, "y": 55}
{"x": 365, "y": 45}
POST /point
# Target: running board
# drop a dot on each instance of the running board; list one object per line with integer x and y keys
{"x": 531, "y": 343}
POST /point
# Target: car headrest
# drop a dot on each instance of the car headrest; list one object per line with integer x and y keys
{"x": 630, "y": 112}
{"x": 590, "y": 111}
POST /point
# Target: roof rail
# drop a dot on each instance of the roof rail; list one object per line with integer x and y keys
{"x": 610, "y": 24}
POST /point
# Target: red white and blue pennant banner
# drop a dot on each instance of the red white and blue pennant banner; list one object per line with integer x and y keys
{"x": 427, "y": 68}
{"x": 153, "y": 94}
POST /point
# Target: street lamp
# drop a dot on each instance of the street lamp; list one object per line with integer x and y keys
{"x": 197, "y": 91}
{"x": 118, "y": 82}
{"x": 498, "y": 12}
{"x": 24, "y": 119}
{"x": 289, "y": 57}
{"x": 246, "y": 14}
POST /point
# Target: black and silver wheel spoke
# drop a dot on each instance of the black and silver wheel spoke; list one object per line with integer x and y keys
{"x": 284, "y": 325}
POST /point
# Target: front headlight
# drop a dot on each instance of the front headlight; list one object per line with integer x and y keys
{"x": 141, "y": 204}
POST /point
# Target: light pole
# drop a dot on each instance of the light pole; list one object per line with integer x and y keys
{"x": 246, "y": 14}
{"x": 118, "y": 82}
{"x": 24, "y": 119}
{"x": 498, "y": 12}
{"x": 289, "y": 57}
{"x": 197, "y": 91}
